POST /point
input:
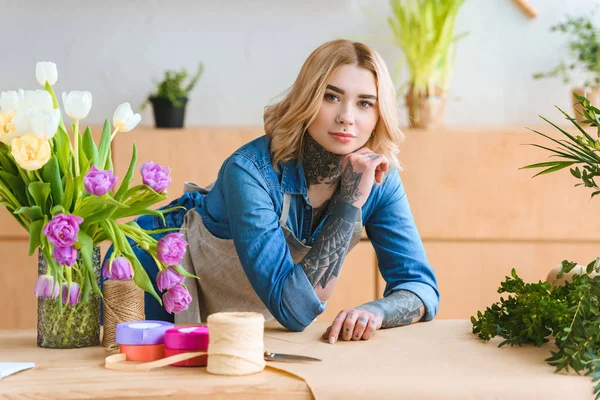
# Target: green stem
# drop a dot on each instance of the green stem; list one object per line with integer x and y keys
{"x": 76, "y": 145}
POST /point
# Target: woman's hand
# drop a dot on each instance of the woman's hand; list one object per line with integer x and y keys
{"x": 359, "y": 170}
{"x": 353, "y": 324}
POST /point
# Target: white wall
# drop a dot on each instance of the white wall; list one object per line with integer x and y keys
{"x": 254, "y": 49}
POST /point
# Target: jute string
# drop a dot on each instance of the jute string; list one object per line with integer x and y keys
{"x": 123, "y": 302}
{"x": 236, "y": 347}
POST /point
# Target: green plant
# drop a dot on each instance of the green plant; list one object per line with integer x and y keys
{"x": 172, "y": 87}
{"x": 578, "y": 149}
{"x": 584, "y": 49}
{"x": 424, "y": 30}
{"x": 569, "y": 312}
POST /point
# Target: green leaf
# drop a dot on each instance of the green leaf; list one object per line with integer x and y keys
{"x": 69, "y": 192}
{"x": 33, "y": 213}
{"x": 89, "y": 147}
{"x": 86, "y": 251}
{"x": 592, "y": 266}
{"x": 575, "y": 172}
{"x": 100, "y": 215}
{"x": 140, "y": 276}
{"x": 57, "y": 210}
{"x": 16, "y": 186}
{"x": 40, "y": 192}
{"x": 128, "y": 176}
{"x": 8, "y": 165}
{"x": 109, "y": 163}
{"x": 62, "y": 149}
{"x": 181, "y": 271}
{"x": 51, "y": 175}
{"x": 104, "y": 147}
{"x": 35, "y": 232}
{"x": 84, "y": 160}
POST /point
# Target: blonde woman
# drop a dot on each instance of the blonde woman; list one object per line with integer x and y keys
{"x": 273, "y": 231}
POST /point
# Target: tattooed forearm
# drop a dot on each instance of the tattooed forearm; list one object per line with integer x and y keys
{"x": 399, "y": 308}
{"x": 325, "y": 258}
{"x": 349, "y": 187}
{"x": 320, "y": 165}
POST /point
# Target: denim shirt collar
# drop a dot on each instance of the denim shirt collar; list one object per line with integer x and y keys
{"x": 293, "y": 180}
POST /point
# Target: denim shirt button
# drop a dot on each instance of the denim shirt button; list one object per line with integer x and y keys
{"x": 303, "y": 241}
{"x": 308, "y": 207}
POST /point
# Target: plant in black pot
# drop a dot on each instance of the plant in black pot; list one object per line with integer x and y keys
{"x": 171, "y": 98}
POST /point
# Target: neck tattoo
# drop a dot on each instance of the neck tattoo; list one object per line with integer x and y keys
{"x": 320, "y": 165}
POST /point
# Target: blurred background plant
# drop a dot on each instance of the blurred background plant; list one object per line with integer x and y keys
{"x": 424, "y": 31}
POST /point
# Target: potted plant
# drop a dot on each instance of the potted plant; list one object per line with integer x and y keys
{"x": 171, "y": 97}
{"x": 60, "y": 187}
{"x": 584, "y": 51}
{"x": 424, "y": 30}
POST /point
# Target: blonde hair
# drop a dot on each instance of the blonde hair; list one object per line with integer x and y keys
{"x": 287, "y": 120}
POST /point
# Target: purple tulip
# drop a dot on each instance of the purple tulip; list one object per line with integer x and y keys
{"x": 98, "y": 182}
{"x": 121, "y": 270}
{"x": 168, "y": 278}
{"x": 65, "y": 255}
{"x": 171, "y": 248}
{"x": 73, "y": 296}
{"x": 62, "y": 230}
{"x": 176, "y": 299}
{"x": 44, "y": 287}
{"x": 155, "y": 176}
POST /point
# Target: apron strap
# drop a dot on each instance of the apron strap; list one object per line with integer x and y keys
{"x": 285, "y": 209}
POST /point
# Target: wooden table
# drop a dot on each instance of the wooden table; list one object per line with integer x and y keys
{"x": 441, "y": 359}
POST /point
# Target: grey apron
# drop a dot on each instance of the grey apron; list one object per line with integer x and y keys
{"x": 223, "y": 284}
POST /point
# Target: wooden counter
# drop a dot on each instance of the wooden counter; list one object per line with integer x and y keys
{"x": 434, "y": 360}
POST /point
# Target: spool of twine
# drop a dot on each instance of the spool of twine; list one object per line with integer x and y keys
{"x": 236, "y": 347}
{"x": 123, "y": 302}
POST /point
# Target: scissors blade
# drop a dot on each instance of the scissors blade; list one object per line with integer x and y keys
{"x": 287, "y": 357}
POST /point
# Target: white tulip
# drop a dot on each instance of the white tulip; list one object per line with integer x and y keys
{"x": 46, "y": 72}
{"x": 37, "y": 100}
{"x": 77, "y": 104}
{"x": 9, "y": 102}
{"x": 45, "y": 124}
{"x": 22, "y": 120}
{"x": 124, "y": 119}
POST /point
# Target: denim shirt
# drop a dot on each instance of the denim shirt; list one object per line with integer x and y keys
{"x": 246, "y": 202}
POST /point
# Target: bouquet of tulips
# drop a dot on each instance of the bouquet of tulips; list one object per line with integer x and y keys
{"x": 61, "y": 188}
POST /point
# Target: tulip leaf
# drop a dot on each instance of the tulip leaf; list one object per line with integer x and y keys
{"x": 104, "y": 147}
{"x": 100, "y": 215}
{"x": 181, "y": 271}
{"x": 35, "y": 233}
{"x": 89, "y": 147}
{"x": 86, "y": 251}
{"x": 62, "y": 149}
{"x": 69, "y": 191}
{"x": 140, "y": 276}
{"x": 128, "y": 176}
{"x": 7, "y": 165}
{"x": 51, "y": 175}
{"x": 40, "y": 191}
{"x": 58, "y": 209}
{"x": 16, "y": 184}
{"x": 33, "y": 213}
{"x": 83, "y": 158}
{"x": 109, "y": 163}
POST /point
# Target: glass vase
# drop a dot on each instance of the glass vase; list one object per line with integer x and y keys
{"x": 76, "y": 326}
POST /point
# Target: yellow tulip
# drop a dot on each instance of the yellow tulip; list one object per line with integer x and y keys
{"x": 31, "y": 152}
{"x": 7, "y": 129}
